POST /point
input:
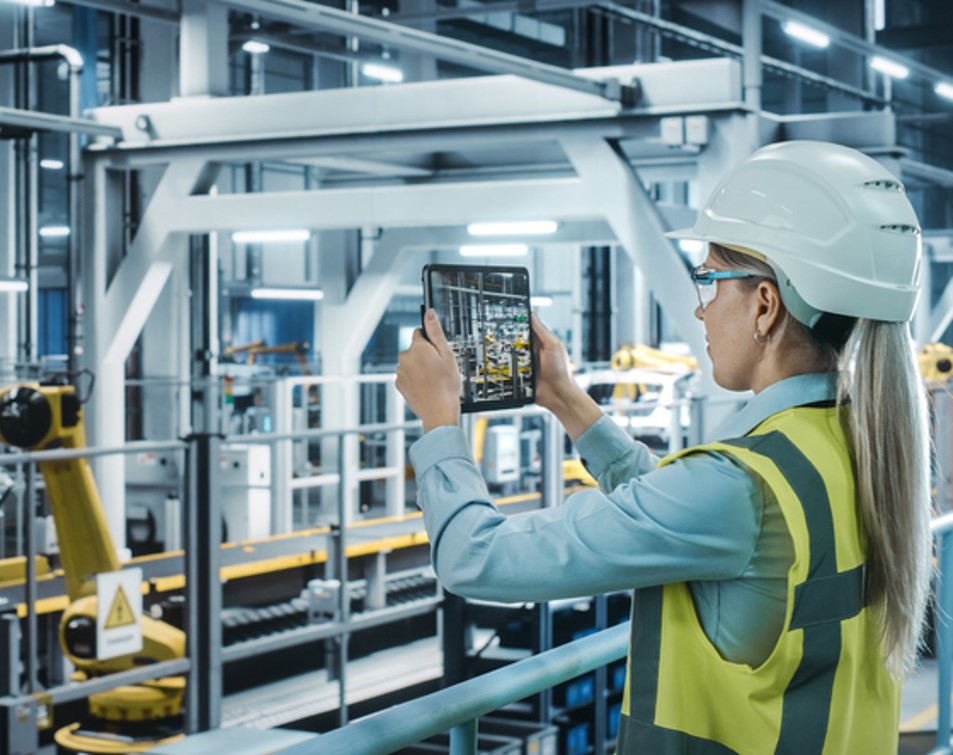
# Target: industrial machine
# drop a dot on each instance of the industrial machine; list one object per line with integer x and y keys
{"x": 936, "y": 362}
{"x": 129, "y": 718}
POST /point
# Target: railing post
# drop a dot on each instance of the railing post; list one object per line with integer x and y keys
{"x": 31, "y": 647}
{"x": 552, "y": 466}
{"x": 944, "y": 640}
{"x": 339, "y": 534}
{"x": 10, "y": 649}
{"x": 463, "y": 738}
{"x": 203, "y": 538}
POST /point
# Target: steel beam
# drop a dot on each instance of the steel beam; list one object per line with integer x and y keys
{"x": 639, "y": 227}
{"x": 14, "y": 119}
{"x": 482, "y": 100}
{"x": 309, "y": 15}
{"x": 465, "y": 11}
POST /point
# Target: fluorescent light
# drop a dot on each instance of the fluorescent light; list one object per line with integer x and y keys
{"x": 54, "y": 231}
{"x": 518, "y": 228}
{"x": 264, "y": 237}
{"x": 494, "y": 250}
{"x": 880, "y": 15}
{"x": 256, "y": 47}
{"x": 49, "y": 163}
{"x": 300, "y": 294}
{"x": 806, "y": 34}
{"x": 889, "y": 67}
{"x": 944, "y": 90}
{"x": 691, "y": 246}
{"x": 541, "y": 301}
{"x": 14, "y": 287}
{"x": 382, "y": 73}
{"x": 38, "y": 3}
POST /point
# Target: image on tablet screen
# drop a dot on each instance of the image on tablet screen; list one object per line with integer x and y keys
{"x": 485, "y": 316}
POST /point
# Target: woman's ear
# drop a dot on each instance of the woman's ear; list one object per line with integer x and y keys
{"x": 769, "y": 309}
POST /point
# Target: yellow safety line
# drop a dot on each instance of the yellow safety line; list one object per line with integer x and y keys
{"x": 279, "y": 563}
{"x": 918, "y": 721}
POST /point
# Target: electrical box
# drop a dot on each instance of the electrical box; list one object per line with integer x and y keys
{"x": 245, "y": 477}
{"x": 153, "y": 480}
{"x": 501, "y": 455}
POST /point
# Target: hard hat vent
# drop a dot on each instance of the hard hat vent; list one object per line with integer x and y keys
{"x": 900, "y": 228}
{"x": 885, "y": 184}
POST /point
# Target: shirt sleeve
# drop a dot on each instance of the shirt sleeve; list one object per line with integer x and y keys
{"x": 611, "y": 456}
{"x": 695, "y": 519}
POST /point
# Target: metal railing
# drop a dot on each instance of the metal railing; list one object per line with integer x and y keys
{"x": 942, "y": 530}
{"x": 457, "y": 708}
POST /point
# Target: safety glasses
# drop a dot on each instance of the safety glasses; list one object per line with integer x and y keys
{"x": 704, "y": 280}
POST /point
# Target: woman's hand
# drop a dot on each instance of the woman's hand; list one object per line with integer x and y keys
{"x": 428, "y": 378}
{"x": 555, "y": 388}
{"x": 554, "y": 383}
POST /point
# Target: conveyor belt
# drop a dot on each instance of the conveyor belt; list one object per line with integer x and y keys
{"x": 242, "y": 624}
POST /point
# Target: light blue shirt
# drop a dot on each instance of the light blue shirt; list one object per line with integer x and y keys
{"x": 702, "y": 519}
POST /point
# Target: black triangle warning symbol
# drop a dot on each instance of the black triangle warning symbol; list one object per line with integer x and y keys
{"x": 120, "y": 612}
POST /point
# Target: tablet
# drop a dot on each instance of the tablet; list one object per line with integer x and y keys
{"x": 484, "y": 312}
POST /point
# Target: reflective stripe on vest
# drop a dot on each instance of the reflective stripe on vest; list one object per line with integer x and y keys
{"x": 787, "y": 703}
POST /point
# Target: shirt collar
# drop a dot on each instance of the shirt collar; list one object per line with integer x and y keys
{"x": 785, "y": 394}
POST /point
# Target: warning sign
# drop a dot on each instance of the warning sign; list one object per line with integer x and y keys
{"x": 118, "y": 610}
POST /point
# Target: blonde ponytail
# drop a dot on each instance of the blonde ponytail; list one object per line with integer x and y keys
{"x": 887, "y": 420}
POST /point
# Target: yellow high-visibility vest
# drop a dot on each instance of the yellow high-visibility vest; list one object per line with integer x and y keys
{"x": 824, "y": 688}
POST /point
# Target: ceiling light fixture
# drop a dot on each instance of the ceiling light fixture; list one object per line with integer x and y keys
{"x": 889, "y": 67}
{"x": 48, "y": 163}
{"x": 265, "y": 237}
{"x": 14, "y": 286}
{"x": 541, "y": 301}
{"x": 382, "y": 72}
{"x": 54, "y": 231}
{"x": 944, "y": 90}
{"x": 296, "y": 294}
{"x": 493, "y": 250}
{"x": 806, "y": 34}
{"x": 516, "y": 228}
{"x": 256, "y": 47}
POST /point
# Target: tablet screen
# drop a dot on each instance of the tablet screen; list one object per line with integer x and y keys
{"x": 484, "y": 312}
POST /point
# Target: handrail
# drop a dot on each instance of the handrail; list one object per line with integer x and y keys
{"x": 459, "y": 705}
{"x": 457, "y": 708}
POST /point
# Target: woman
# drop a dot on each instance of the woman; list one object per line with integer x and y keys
{"x": 781, "y": 574}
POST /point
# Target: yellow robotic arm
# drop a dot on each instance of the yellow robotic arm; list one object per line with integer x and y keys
{"x": 40, "y": 417}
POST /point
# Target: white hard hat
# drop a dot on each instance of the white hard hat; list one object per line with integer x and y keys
{"x": 831, "y": 221}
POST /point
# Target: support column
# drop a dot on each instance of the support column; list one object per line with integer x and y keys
{"x": 203, "y": 49}
{"x": 347, "y": 323}
{"x": 8, "y": 303}
{"x": 118, "y": 309}
{"x": 751, "y": 40}
{"x": 419, "y": 66}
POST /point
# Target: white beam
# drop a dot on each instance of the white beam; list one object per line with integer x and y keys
{"x": 387, "y": 207}
{"x": 481, "y": 100}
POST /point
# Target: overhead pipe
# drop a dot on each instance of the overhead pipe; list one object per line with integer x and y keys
{"x": 74, "y": 60}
